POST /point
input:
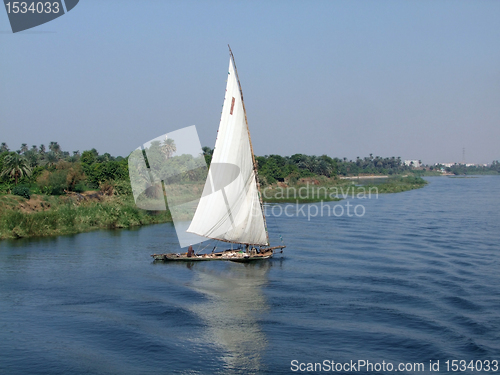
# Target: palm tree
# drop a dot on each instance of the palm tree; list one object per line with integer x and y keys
{"x": 24, "y": 148}
{"x": 16, "y": 166}
{"x": 4, "y": 147}
{"x": 32, "y": 158}
{"x": 34, "y": 148}
{"x": 207, "y": 151}
{"x": 42, "y": 149}
{"x": 168, "y": 147}
{"x": 50, "y": 159}
{"x": 207, "y": 154}
{"x": 54, "y": 147}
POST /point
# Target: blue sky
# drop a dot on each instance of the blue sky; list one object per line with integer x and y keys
{"x": 416, "y": 79}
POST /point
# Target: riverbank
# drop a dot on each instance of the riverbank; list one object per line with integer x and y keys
{"x": 329, "y": 189}
{"x": 44, "y": 215}
{"x": 362, "y": 177}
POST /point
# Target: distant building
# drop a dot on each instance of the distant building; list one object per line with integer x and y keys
{"x": 414, "y": 163}
{"x": 448, "y": 165}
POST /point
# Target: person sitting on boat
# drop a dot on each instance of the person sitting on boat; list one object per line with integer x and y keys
{"x": 190, "y": 252}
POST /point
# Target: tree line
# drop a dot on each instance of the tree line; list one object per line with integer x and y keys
{"x": 459, "y": 169}
{"x": 50, "y": 170}
{"x": 276, "y": 168}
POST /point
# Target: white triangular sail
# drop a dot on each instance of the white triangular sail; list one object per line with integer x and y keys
{"x": 230, "y": 209}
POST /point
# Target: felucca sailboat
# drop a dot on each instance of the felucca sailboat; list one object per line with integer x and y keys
{"x": 230, "y": 208}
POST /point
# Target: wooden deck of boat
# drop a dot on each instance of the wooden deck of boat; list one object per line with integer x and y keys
{"x": 231, "y": 255}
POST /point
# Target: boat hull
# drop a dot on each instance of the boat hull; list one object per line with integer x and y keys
{"x": 228, "y": 255}
{"x": 183, "y": 258}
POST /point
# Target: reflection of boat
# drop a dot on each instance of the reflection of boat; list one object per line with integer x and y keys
{"x": 230, "y": 208}
{"x": 230, "y": 313}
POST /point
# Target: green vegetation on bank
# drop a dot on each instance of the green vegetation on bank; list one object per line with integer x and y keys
{"x": 274, "y": 168}
{"x": 48, "y": 191}
{"x": 53, "y": 215}
{"x": 399, "y": 184}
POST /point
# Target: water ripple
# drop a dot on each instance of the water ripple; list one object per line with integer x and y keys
{"x": 414, "y": 279}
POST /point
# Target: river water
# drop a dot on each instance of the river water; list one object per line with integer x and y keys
{"x": 415, "y": 279}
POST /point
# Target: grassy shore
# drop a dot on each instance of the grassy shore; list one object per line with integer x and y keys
{"x": 44, "y": 215}
{"x": 327, "y": 189}
{"x": 56, "y": 215}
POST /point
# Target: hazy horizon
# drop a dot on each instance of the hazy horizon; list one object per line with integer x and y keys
{"x": 415, "y": 79}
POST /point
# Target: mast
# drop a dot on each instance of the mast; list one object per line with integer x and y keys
{"x": 251, "y": 147}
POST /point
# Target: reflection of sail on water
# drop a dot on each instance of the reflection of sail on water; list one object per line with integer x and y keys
{"x": 234, "y": 301}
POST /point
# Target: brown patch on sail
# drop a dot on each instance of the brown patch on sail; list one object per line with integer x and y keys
{"x": 232, "y": 106}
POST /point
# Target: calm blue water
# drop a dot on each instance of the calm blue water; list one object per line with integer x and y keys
{"x": 414, "y": 279}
